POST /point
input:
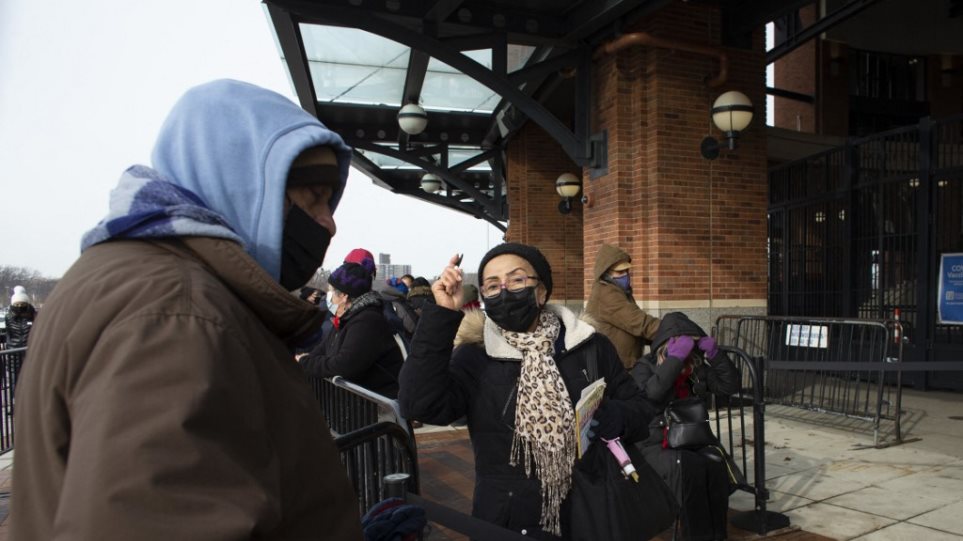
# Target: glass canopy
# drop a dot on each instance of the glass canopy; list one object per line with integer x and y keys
{"x": 349, "y": 65}
{"x": 456, "y": 155}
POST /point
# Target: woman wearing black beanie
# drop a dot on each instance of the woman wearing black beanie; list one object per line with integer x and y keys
{"x": 516, "y": 375}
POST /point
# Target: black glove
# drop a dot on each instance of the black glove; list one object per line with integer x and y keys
{"x": 607, "y": 422}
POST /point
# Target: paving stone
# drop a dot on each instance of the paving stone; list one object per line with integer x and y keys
{"x": 941, "y": 483}
{"x": 867, "y": 472}
{"x": 887, "y": 503}
{"x": 810, "y": 484}
{"x": 908, "y": 532}
{"x": 836, "y": 522}
{"x": 947, "y": 519}
{"x": 778, "y": 501}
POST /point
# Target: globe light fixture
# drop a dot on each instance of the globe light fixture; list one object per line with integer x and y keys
{"x": 412, "y": 119}
{"x": 567, "y": 186}
{"x": 430, "y": 183}
{"x": 732, "y": 113}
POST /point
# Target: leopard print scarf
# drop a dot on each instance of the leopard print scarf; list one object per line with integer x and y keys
{"x": 544, "y": 417}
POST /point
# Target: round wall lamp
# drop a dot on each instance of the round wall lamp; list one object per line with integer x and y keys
{"x": 430, "y": 183}
{"x": 568, "y": 186}
{"x": 412, "y": 119}
{"x": 731, "y": 113}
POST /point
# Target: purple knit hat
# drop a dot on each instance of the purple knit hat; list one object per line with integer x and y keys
{"x": 351, "y": 279}
{"x": 362, "y": 257}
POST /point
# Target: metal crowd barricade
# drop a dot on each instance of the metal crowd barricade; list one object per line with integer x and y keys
{"x": 829, "y": 365}
{"x": 11, "y": 360}
{"x": 730, "y": 426}
{"x": 373, "y": 438}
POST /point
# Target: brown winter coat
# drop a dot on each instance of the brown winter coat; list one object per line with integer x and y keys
{"x": 615, "y": 313}
{"x": 159, "y": 400}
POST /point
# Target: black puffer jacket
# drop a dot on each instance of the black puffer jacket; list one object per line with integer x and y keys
{"x": 480, "y": 382}
{"x": 363, "y": 350}
{"x": 716, "y": 376}
{"x": 18, "y": 323}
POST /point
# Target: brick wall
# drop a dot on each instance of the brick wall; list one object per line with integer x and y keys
{"x": 534, "y": 162}
{"x": 696, "y": 229}
{"x": 797, "y": 72}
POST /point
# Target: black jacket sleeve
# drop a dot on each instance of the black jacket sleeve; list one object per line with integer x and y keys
{"x": 361, "y": 344}
{"x": 721, "y": 375}
{"x": 432, "y": 389}
{"x": 659, "y": 383}
{"x": 622, "y": 390}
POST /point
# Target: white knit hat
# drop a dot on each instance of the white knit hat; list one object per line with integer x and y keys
{"x": 19, "y": 296}
{"x": 19, "y": 289}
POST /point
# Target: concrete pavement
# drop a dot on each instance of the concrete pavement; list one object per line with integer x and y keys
{"x": 821, "y": 473}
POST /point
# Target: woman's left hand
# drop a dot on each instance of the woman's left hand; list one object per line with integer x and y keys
{"x": 707, "y": 345}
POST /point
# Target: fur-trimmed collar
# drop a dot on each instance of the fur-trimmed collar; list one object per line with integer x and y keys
{"x": 477, "y": 329}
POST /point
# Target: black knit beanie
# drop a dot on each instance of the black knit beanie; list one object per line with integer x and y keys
{"x": 526, "y": 252}
{"x": 351, "y": 279}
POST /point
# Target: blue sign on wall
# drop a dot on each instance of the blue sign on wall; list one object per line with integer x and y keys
{"x": 951, "y": 289}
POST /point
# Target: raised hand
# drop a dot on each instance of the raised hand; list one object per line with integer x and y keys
{"x": 708, "y": 346}
{"x": 679, "y": 347}
{"x": 447, "y": 289}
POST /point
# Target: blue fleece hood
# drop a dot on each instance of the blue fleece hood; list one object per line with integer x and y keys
{"x": 232, "y": 144}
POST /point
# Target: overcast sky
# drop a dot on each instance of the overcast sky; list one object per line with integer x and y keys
{"x": 84, "y": 88}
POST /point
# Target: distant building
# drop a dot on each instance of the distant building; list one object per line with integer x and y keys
{"x": 387, "y": 270}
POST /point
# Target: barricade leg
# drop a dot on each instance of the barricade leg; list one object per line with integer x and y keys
{"x": 760, "y": 519}
{"x": 396, "y": 485}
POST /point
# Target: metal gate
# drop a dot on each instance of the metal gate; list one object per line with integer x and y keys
{"x": 857, "y": 231}
{"x": 830, "y": 365}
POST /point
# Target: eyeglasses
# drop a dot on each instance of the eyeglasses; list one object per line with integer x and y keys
{"x": 514, "y": 283}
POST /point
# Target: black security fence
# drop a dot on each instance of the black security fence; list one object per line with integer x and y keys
{"x": 858, "y": 231}
{"x": 828, "y": 365}
{"x": 374, "y": 440}
{"x": 11, "y": 359}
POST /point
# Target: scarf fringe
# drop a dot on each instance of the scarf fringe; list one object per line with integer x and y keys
{"x": 553, "y": 468}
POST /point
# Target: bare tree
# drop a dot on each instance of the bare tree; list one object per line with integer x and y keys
{"x": 37, "y": 285}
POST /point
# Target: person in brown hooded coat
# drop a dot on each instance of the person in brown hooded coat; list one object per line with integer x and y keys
{"x": 612, "y": 309}
{"x": 159, "y": 399}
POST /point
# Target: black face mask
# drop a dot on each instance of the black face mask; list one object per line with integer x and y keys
{"x": 513, "y": 310}
{"x": 303, "y": 245}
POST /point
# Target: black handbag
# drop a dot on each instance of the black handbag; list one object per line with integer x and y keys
{"x": 607, "y": 505}
{"x": 687, "y": 420}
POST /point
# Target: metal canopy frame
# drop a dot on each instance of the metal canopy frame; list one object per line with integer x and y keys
{"x": 825, "y": 23}
{"x": 553, "y": 88}
{"x": 742, "y": 17}
{"x": 564, "y": 33}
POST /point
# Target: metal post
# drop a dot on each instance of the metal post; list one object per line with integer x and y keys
{"x": 396, "y": 485}
{"x": 849, "y": 181}
{"x": 926, "y": 232}
{"x": 761, "y": 519}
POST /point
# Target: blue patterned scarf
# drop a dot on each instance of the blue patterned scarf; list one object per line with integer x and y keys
{"x": 146, "y": 205}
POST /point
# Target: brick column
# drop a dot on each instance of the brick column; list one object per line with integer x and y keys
{"x": 534, "y": 162}
{"x": 696, "y": 229}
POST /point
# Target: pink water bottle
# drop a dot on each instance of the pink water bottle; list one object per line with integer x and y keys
{"x": 628, "y": 469}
